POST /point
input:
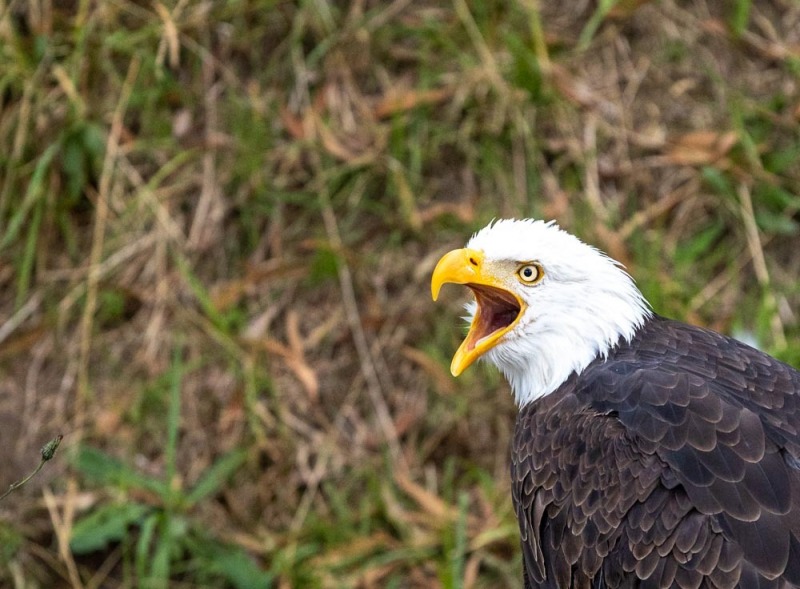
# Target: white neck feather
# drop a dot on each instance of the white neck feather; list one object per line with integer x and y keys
{"x": 549, "y": 349}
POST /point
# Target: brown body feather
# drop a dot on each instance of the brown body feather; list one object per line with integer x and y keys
{"x": 672, "y": 462}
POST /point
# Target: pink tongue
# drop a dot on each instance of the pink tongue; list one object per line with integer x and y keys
{"x": 502, "y": 319}
{"x": 496, "y": 313}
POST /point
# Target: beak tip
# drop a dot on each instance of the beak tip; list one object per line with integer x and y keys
{"x": 461, "y": 266}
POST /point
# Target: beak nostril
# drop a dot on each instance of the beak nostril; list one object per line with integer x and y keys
{"x": 473, "y": 261}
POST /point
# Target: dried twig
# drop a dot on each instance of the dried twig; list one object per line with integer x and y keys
{"x": 18, "y": 318}
{"x": 48, "y": 451}
{"x": 368, "y": 369}
{"x": 490, "y": 65}
{"x": 209, "y": 211}
{"x": 62, "y": 526}
{"x": 760, "y": 265}
{"x": 592, "y": 172}
{"x": 659, "y": 207}
{"x": 98, "y": 237}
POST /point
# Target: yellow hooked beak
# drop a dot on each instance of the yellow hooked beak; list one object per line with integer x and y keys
{"x": 498, "y": 311}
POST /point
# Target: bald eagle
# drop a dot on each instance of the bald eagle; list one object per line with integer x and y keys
{"x": 647, "y": 452}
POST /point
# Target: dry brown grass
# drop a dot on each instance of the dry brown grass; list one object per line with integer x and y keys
{"x": 264, "y": 187}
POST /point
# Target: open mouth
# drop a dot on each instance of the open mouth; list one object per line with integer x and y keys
{"x": 498, "y": 310}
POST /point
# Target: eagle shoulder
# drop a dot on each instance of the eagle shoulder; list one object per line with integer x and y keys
{"x": 674, "y": 459}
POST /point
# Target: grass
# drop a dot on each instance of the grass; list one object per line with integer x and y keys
{"x": 166, "y": 529}
{"x": 217, "y": 224}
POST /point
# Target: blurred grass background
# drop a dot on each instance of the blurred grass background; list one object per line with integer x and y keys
{"x": 217, "y": 225}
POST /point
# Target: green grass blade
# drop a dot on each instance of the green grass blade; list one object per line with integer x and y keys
{"x": 216, "y": 476}
{"x": 740, "y": 16}
{"x": 107, "y": 524}
{"x": 146, "y": 535}
{"x": 29, "y": 255}
{"x": 161, "y": 558}
{"x": 588, "y": 32}
{"x": 200, "y": 292}
{"x": 108, "y": 470}
{"x": 458, "y": 553}
{"x": 173, "y": 421}
{"x": 32, "y": 195}
{"x": 233, "y": 564}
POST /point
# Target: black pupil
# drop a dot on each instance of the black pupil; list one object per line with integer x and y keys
{"x": 527, "y": 272}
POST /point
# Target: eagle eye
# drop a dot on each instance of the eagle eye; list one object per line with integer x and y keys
{"x": 530, "y": 273}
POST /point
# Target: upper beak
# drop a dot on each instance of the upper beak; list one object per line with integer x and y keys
{"x": 499, "y": 309}
{"x": 459, "y": 267}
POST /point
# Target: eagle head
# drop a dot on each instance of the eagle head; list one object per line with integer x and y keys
{"x": 546, "y": 304}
